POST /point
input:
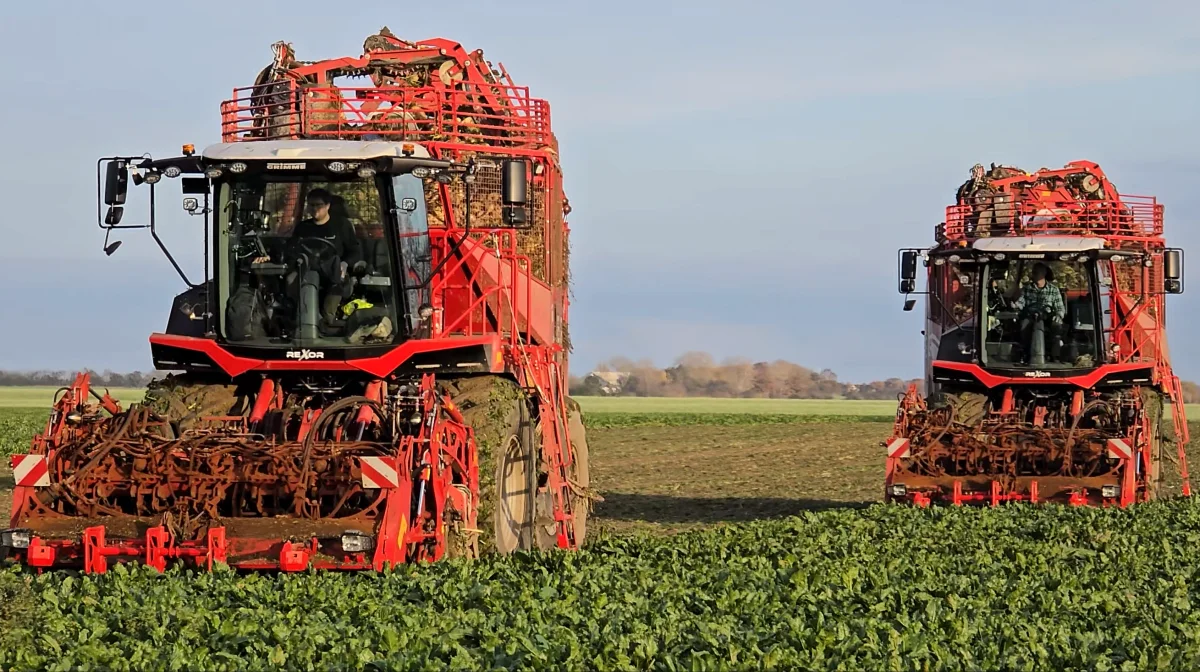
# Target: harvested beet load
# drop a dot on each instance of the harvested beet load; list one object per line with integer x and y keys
{"x": 372, "y": 371}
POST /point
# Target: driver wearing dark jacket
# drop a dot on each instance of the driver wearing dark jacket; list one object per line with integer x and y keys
{"x": 332, "y": 225}
{"x": 336, "y": 230}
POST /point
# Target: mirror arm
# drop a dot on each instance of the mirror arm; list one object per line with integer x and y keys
{"x": 208, "y": 298}
{"x": 163, "y": 247}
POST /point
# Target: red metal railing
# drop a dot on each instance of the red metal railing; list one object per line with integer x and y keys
{"x": 512, "y": 308}
{"x": 493, "y": 114}
{"x": 1131, "y": 218}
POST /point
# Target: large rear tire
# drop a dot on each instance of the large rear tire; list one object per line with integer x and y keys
{"x": 497, "y": 410}
{"x": 186, "y": 399}
{"x": 581, "y": 473}
{"x": 1154, "y": 405}
{"x": 969, "y": 408}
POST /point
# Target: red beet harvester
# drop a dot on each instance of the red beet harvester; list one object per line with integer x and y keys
{"x": 330, "y": 408}
{"x": 1047, "y": 373}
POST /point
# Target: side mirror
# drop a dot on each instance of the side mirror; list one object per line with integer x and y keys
{"x": 1173, "y": 271}
{"x": 116, "y": 182}
{"x": 514, "y": 184}
{"x": 908, "y": 271}
{"x": 113, "y": 217}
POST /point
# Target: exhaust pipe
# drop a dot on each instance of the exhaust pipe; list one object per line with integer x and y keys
{"x": 1037, "y": 343}
{"x": 309, "y": 312}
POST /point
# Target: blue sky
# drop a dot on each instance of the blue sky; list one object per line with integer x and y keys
{"x": 741, "y": 173}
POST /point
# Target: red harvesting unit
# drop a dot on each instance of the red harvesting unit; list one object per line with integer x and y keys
{"x": 1046, "y": 367}
{"x": 373, "y": 370}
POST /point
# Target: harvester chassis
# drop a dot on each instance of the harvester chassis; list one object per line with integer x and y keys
{"x": 190, "y": 474}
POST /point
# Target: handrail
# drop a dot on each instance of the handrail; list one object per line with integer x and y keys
{"x": 418, "y": 114}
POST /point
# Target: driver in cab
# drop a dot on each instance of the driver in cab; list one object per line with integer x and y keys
{"x": 1040, "y": 296}
{"x": 323, "y": 224}
{"x": 333, "y": 226}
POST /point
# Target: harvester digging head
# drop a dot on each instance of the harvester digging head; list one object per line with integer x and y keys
{"x": 298, "y": 472}
{"x": 1040, "y": 450}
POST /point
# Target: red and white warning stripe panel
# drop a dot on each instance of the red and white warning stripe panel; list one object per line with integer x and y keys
{"x": 379, "y": 472}
{"x": 30, "y": 471}
{"x": 1120, "y": 449}
{"x": 898, "y": 448}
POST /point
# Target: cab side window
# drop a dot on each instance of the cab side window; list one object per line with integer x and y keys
{"x": 412, "y": 234}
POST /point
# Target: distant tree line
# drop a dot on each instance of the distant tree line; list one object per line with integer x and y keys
{"x": 697, "y": 374}
{"x": 104, "y": 378}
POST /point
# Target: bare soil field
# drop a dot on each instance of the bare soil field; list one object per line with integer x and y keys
{"x": 672, "y": 478}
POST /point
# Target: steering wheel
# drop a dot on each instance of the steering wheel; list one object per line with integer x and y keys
{"x": 304, "y": 243}
{"x": 322, "y": 254}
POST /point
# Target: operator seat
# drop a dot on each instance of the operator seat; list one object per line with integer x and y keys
{"x": 375, "y": 251}
{"x": 1080, "y": 327}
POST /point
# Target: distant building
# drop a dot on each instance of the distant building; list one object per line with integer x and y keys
{"x": 606, "y": 382}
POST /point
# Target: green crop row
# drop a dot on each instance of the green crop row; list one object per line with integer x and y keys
{"x": 17, "y": 427}
{"x": 884, "y": 588}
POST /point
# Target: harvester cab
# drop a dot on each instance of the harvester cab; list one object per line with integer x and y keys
{"x": 325, "y": 255}
{"x": 1046, "y": 368}
{"x": 372, "y": 370}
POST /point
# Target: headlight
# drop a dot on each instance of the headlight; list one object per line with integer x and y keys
{"x": 366, "y": 172}
{"x": 16, "y": 538}
{"x": 1110, "y": 491}
{"x": 237, "y": 167}
{"x": 899, "y": 490}
{"x": 337, "y": 166}
{"x": 213, "y": 173}
{"x": 420, "y": 171}
{"x": 172, "y": 171}
{"x": 357, "y": 542}
{"x": 152, "y": 177}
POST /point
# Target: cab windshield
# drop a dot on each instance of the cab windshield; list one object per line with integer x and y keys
{"x": 305, "y": 262}
{"x": 1040, "y": 314}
